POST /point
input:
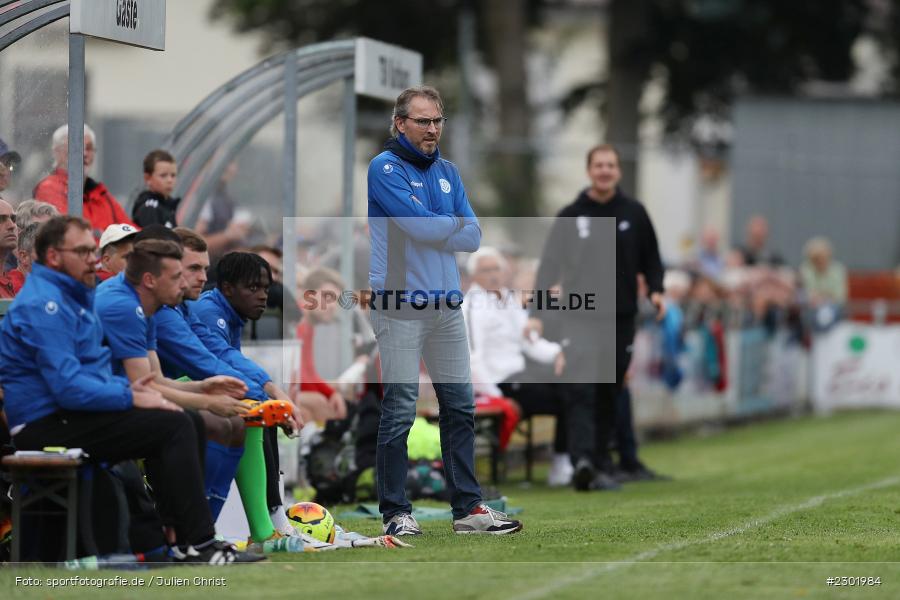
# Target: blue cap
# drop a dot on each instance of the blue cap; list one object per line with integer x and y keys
{"x": 8, "y": 157}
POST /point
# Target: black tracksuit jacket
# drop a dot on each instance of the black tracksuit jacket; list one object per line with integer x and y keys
{"x": 570, "y": 257}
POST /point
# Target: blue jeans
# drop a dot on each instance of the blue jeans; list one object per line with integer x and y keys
{"x": 440, "y": 339}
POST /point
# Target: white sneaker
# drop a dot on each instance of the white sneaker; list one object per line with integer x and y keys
{"x": 281, "y": 523}
{"x": 402, "y": 524}
{"x": 561, "y": 471}
{"x": 484, "y": 519}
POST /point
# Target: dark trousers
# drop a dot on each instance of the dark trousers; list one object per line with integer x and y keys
{"x": 273, "y": 467}
{"x": 626, "y": 442}
{"x": 166, "y": 440}
{"x": 590, "y": 407}
{"x": 539, "y": 398}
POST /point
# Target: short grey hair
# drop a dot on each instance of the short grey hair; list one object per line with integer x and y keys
{"x": 401, "y": 106}
{"x": 485, "y": 252}
{"x": 61, "y": 136}
{"x": 817, "y": 245}
{"x": 29, "y": 210}
{"x": 27, "y": 237}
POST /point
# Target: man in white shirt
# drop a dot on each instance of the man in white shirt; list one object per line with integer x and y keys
{"x": 495, "y": 318}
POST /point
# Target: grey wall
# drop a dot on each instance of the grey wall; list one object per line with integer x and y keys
{"x": 820, "y": 167}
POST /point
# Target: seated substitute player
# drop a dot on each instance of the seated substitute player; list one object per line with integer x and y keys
{"x": 183, "y": 353}
{"x": 241, "y": 293}
{"x": 126, "y": 304}
{"x": 60, "y": 389}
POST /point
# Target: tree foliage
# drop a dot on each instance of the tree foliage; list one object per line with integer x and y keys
{"x": 708, "y": 52}
{"x": 711, "y": 50}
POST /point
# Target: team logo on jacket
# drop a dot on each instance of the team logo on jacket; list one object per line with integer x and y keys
{"x": 221, "y": 323}
{"x": 51, "y": 308}
{"x": 139, "y": 312}
{"x": 624, "y": 226}
{"x": 445, "y": 185}
{"x": 387, "y": 168}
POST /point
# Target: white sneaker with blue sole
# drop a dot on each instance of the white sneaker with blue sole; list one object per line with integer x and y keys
{"x": 402, "y": 524}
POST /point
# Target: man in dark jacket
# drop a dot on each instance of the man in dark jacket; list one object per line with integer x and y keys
{"x": 572, "y": 257}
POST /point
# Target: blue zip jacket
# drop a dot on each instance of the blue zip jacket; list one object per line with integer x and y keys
{"x": 219, "y": 327}
{"x": 129, "y": 333}
{"x": 183, "y": 353}
{"x": 52, "y": 353}
{"x": 419, "y": 216}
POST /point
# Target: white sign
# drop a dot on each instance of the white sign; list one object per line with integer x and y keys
{"x": 135, "y": 22}
{"x": 383, "y": 71}
{"x": 856, "y": 366}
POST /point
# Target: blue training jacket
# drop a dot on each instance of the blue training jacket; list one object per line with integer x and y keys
{"x": 52, "y": 353}
{"x": 183, "y": 353}
{"x": 419, "y": 216}
{"x": 219, "y": 327}
{"x": 129, "y": 333}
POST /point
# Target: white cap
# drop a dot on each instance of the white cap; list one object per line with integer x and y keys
{"x": 116, "y": 233}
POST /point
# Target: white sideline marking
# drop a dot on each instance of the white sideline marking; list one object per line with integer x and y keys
{"x": 815, "y": 501}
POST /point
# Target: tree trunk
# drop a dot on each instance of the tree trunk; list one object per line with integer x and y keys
{"x": 511, "y": 162}
{"x": 628, "y": 70}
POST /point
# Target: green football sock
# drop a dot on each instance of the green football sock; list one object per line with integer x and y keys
{"x": 251, "y": 483}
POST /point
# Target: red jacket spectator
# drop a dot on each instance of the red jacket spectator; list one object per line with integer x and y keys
{"x": 100, "y": 208}
{"x": 103, "y": 274}
{"x": 7, "y": 287}
{"x": 17, "y": 278}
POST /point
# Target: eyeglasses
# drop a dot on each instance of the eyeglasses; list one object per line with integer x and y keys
{"x": 422, "y": 123}
{"x": 83, "y": 252}
{"x": 5, "y": 218}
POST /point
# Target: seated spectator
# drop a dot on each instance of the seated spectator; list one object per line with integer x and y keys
{"x": 9, "y": 162}
{"x": 25, "y": 256}
{"x": 116, "y": 244}
{"x": 155, "y": 205}
{"x": 496, "y": 319}
{"x": 824, "y": 280}
{"x": 710, "y": 261}
{"x": 824, "y": 283}
{"x": 9, "y": 237}
{"x": 321, "y": 289}
{"x": 220, "y": 227}
{"x": 99, "y": 207}
{"x": 28, "y": 212}
{"x": 280, "y": 298}
{"x": 756, "y": 251}
{"x": 273, "y": 256}
{"x": 60, "y": 390}
{"x": 34, "y": 211}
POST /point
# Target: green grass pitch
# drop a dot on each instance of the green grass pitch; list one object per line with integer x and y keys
{"x": 765, "y": 511}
